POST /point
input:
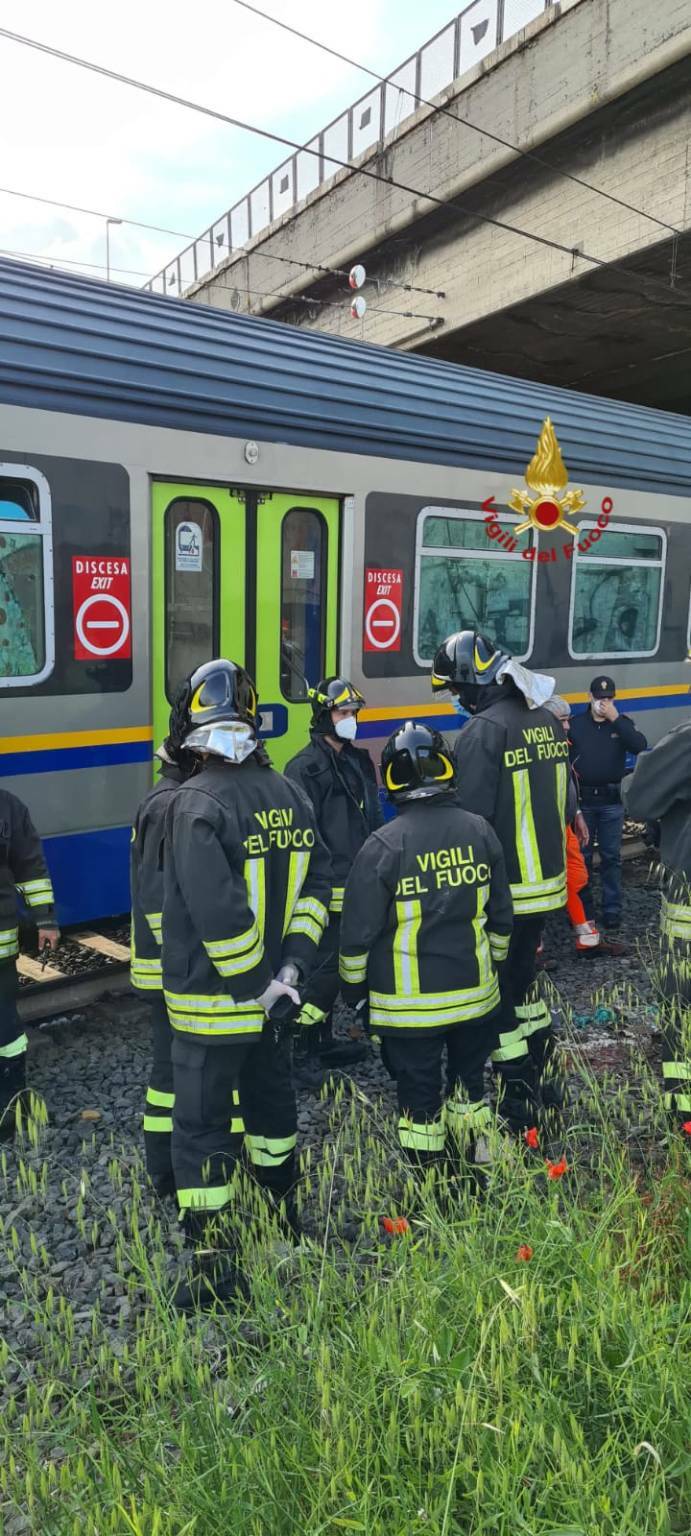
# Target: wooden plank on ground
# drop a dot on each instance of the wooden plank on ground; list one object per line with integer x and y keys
{"x": 34, "y": 971}
{"x": 104, "y": 946}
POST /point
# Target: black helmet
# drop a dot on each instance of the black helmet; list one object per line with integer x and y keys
{"x": 332, "y": 693}
{"x": 465, "y": 663}
{"x": 172, "y": 749}
{"x": 222, "y": 690}
{"x": 415, "y": 763}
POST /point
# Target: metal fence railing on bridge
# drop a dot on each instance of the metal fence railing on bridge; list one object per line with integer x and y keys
{"x": 473, "y": 34}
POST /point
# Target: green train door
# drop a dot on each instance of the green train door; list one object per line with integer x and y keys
{"x": 252, "y": 576}
{"x": 296, "y": 616}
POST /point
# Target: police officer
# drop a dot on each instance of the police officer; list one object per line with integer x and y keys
{"x": 23, "y": 869}
{"x": 660, "y": 790}
{"x": 426, "y": 920}
{"x": 600, "y": 740}
{"x": 340, "y": 780}
{"x": 246, "y": 895}
{"x": 512, "y": 766}
{"x": 146, "y": 886}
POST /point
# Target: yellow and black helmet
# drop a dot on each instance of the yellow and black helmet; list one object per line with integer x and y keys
{"x": 416, "y": 764}
{"x": 221, "y": 691}
{"x": 332, "y": 693}
{"x": 466, "y": 659}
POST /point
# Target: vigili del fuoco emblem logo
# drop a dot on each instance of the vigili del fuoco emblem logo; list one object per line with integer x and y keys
{"x": 546, "y": 477}
{"x": 545, "y": 504}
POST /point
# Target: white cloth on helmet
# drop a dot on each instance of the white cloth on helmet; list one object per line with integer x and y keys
{"x": 536, "y": 687}
{"x": 232, "y": 740}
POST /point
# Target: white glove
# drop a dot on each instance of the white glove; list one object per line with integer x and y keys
{"x": 288, "y": 974}
{"x": 275, "y": 990}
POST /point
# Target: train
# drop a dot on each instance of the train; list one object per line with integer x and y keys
{"x": 178, "y": 482}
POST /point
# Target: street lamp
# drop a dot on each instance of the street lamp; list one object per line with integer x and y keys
{"x": 108, "y": 224}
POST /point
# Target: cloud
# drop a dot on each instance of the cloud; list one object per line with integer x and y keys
{"x": 83, "y": 139}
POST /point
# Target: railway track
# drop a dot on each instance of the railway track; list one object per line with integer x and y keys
{"x": 87, "y": 966}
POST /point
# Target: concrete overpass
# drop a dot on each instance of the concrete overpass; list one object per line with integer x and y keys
{"x": 597, "y": 89}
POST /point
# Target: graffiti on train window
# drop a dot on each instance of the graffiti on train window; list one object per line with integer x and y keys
{"x": 461, "y": 584}
{"x": 303, "y": 601}
{"x": 616, "y": 591}
{"x": 192, "y": 555}
{"x": 27, "y": 647}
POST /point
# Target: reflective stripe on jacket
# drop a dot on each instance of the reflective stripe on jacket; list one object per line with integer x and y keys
{"x": 513, "y": 768}
{"x": 426, "y": 920}
{"x": 246, "y": 887}
{"x": 146, "y": 882}
{"x": 23, "y": 869}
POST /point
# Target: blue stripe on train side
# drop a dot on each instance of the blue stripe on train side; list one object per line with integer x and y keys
{"x": 381, "y": 729}
{"x": 58, "y": 758}
{"x": 90, "y": 873}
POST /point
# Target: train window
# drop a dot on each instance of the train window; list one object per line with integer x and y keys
{"x": 27, "y": 639}
{"x": 192, "y": 556}
{"x": 616, "y": 592}
{"x": 463, "y": 580}
{"x": 303, "y": 608}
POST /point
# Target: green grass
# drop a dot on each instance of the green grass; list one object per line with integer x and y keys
{"x": 430, "y": 1384}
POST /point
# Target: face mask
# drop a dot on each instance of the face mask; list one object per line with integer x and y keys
{"x": 232, "y": 740}
{"x": 457, "y": 706}
{"x": 346, "y": 728}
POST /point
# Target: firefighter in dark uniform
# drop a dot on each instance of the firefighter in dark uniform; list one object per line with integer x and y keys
{"x": 247, "y": 886}
{"x": 512, "y": 767}
{"x": 146, "y": 886}
{"x": 660, "y": 790}
{"x": 23, "y": 869}
{"x": 341, "y": 783}
{"x": 426, "y": 921}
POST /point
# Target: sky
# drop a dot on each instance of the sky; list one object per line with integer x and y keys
{"x": 74, "y": 136}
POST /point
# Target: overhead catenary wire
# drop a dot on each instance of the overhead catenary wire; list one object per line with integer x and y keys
{"x": 311, "y": 303}
{"x": 446, "y": 204}
{"x": 455, "y": 117}
{"x": 68, "y": 261}
{"x": 95, "y": 213}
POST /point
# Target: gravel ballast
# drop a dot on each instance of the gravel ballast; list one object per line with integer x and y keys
{"x": 70, "y": 1190}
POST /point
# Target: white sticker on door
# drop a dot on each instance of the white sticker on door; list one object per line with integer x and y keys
{"x": 188, "y": 547}
{"x": 302, "y": 564}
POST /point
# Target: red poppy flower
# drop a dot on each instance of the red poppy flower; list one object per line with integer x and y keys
{"x": 532, "y": 1138}
{"x": 524, "y": 1254}
{"x": 687, "y": 1127}
{"x": 395, "y": 1224}
{"x": 556, "y": 1170}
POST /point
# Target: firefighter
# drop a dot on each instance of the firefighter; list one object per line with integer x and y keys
{"x": 246, "y": 895}
{"x": 23, "y": 869}
{"x": 340, "y": 781}
{"x": 426, "y": 921}
{"x": 512, "y": 763}
{"x": 659, "y": 789}
{"x": 146, "y": 885}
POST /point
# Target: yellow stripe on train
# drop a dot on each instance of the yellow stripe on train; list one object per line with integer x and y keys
{"x": 57, "y": 739}
{"x": 410, "y": 711}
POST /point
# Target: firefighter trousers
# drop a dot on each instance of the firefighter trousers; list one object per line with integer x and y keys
{"x": 428, "y": 1117}
{"x": 158, "y": 1109}
{"x": 675, "y": 1020}
{"x": 214, "y": 1085}
{"x": 13, "y": 1041}
{"x": 526, "y": 1042}
{"x": 322, "y": 989}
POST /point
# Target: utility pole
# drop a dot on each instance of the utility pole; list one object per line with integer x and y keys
{"x": 108, "y": 224}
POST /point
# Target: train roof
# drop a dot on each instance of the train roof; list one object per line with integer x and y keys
{"x": 76, "y": 344}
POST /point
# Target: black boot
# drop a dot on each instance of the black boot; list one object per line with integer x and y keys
{"x": 217, "y": 1278}
{"x": 551, "y": 1087}
{"x": 278, "y": 1185}
{"x": 335, "y": 1051}
{"x": 12, "y": 1093}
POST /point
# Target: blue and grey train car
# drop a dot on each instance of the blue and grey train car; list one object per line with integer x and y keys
{"x": 176, "y": 482}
